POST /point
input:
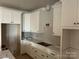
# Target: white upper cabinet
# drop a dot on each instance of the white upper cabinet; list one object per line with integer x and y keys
{"x": 16, "y": 17}
{"x": 31, "y": 22}
{"x": 69, "y": 13}
{"x": 5, "y": 15}
{"x": 39, "y": 21}
{"x": 26, "y": 22}
{"x": 57, "y": 19}
{"x": 45, "y": 21}
{"x": 78, "y": 10}
{"x": 34, "y": 21}
{"x": 8, "y": 15}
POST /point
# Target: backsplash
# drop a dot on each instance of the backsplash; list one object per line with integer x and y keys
{"x": 43, "y": 37}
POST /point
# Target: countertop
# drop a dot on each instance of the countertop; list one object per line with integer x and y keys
{"x": 48, "y": 50}
{"x": 6, "y": 54}
{"x": 52, "y": 47}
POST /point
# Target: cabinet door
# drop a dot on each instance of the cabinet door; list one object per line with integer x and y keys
{"x": 26, "y": 22}
{"x": 41, "y": 54}
{"x": 57, "y": 20}
{"x": 6, "y": 15}
{"x": 16, "y": 17}
{"x": 44, "y": 55}
{"x": 37, "y": 57}
{"x": 23, "y": 46}
{"x": 69, "y": 12}
{"x": 34, "y": 21}
{"x": 78, "y": 12}
{"x": 28, "y": 50}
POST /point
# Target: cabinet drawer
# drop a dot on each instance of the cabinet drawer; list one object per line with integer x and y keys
{"x": 40, "y": 53}
{"x": 27, "y": 50}
{"x": 44, "y": 55}
{"x": 36, "y": 53}
{"x": 33, "y": 51}
{"x": 37, "y": 57}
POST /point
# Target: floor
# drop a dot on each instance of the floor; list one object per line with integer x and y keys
{"x": 24, "y": 56}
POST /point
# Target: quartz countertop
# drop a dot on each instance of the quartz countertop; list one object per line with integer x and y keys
{"x": 38, "y": 46}
{"x": 52, "y": 47}
{"x": 6, "y": 54}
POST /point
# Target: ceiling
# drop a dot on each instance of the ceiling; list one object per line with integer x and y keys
{"x": 26, "y": 4}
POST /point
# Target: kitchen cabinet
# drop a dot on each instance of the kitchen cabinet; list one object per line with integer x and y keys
{"x": 57, "y": 19}
{"x": 8, "y": 15}
{"x": 78, "y": 10}
{"x": 40, "y": 21}
{"x": 23, "y": 46}
{"x": 70, "y": 13}
{"x": 44, "y": 55}
{"x": 16, "y": 17}
{"x": 5, "y": 15}
{"x": 34, "y": 22}
{"x": 37, "y": 53}
{"x": 26, "y": 22}
{"x": 30, "y": 22}
{"x": 46, "y": 21}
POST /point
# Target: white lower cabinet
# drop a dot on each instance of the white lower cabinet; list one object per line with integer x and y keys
{"x": 44, "y": 55}
{"x": 23, "y": 48}
{"x": 37, "y": 57}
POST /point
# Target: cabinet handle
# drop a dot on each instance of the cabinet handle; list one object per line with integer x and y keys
{"x": 35, "y": 57}
{"x": 43, "y": 55}
{"x": 52, "y": 54}
{"x": 77, "y": 23}
{"x": 35, "y": 51}
{"x": 47, "y": 56}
